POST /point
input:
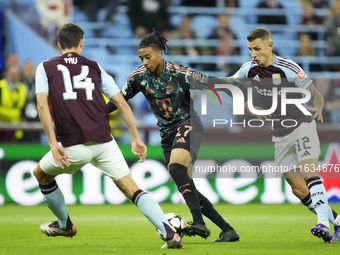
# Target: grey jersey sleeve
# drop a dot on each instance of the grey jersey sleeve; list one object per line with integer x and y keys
{"x": 296, "y": 75}
{"x": 241, "y": 76}
{"x": 41, "y": 81}
{"x": 108, "y": 85}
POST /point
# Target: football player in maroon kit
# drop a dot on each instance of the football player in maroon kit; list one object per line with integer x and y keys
{"x": 297, "y": 145}
{"x": 69, "y": 92}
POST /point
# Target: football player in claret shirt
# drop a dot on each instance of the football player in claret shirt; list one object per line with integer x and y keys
{"x": 297, "y": 145}
{"x": 166, "y": 86}
{"x": 73, "y": 85}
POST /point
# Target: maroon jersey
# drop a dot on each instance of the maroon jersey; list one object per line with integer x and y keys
{"x": 281, "y": 73}
{"x": 74, "y": 85}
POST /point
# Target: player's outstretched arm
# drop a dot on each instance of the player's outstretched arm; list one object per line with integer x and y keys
{"x": 260, "y": 117}
{"x": 58, "y": 151}
{"x": 229, "y": 80}
{"x": 138, "y": 147}
{"x": 318, "y": 103}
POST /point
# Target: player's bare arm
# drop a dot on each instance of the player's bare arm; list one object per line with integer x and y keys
{"x": 229, "y": 80}
{"x": 58, "y": 151}
{"x": 318, "y": 103}
{"x": 260, "y": 117}
{"x": 138, "y": 147}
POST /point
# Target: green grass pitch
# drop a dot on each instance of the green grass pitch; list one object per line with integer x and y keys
{"x": 122, "y": 229}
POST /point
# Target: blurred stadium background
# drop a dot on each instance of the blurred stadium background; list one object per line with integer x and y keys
{"x": 115, "y": 50}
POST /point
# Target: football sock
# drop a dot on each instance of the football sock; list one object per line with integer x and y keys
{"x": 333, "y": 217}
{"x": 151, "y": 209}
{"x": 54, "y": 199}
{"x": 188, "y": 190}
{"x": 319, "y": 199}
{"x": 307, "y": 201}
{"x": 209, "y": 211}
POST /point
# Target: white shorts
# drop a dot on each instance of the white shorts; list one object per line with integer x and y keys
{"x": 303, "y": 143}
{"x": 105, "y": 156}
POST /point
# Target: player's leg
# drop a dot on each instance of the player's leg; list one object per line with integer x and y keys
{"x": 179, "y": 160}
{"x": 228, "y": 233}
{"x": 308, "y": 151}
{"x": 333, "y": 217}
{"x": 45, "y": 172}
{"x": 319, "y": 198}
{"x": 300, "y": 190}
{"x": 150, "y": 208}
{"x": 180, "y": 149}
{"x": 304, "y": 182}
{"x": 109, "y": 159}
{"x": 54, "y": 199}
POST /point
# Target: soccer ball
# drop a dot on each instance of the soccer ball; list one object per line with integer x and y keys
{"x": 175, "y": 221}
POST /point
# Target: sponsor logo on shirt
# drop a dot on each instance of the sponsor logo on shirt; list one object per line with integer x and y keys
{"x": 265, "y": 92}
{"x": 301, "y": 74}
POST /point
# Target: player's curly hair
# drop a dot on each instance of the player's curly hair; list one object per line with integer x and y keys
{"x": 154, "y": 40}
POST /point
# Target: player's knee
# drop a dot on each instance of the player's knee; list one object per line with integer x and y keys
{"x": 37, "y": 172}
{"x": 177, "y": 170}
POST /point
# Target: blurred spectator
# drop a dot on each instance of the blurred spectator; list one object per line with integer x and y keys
{"x": 231, "y": 3}
{"x": 148, "y": 14}
{"x": 223, "y": 30}
{"x": 223, "y": 51}
{"x": 53, "y": 14}
{"x": 271, "y": 19}
{"x": 30, "y": 112}
{"x": 28, "y": 78}
{"x": 185, "y": 33}
{"x": 306, "y": 49}
{"x": 92, "y": 8}
{"x": 310, "y": 19}
{"x": 332, "y": 34}
{"x": 12, "y": 59}
{"x": 331, "y": 111}
{"x": 318, "y": 4}
{"x": 12, "y": 101}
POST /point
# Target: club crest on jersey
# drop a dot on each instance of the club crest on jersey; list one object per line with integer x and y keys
{"x": 196, "y": 75}
{"x": 169, "y": 88}
{"x": 276, "y": 79}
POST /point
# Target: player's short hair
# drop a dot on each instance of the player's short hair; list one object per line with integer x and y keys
{"x": 69, "y": 36}
{"x": 154, "y": 40}
{"x": 261, "y": 33}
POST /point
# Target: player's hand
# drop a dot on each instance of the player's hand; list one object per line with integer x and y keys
{"x": 260, "y": 117}
{"x": 139, "y": 149}
{"x": 317, "y": 113}
{"x": 59, "y": 155}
